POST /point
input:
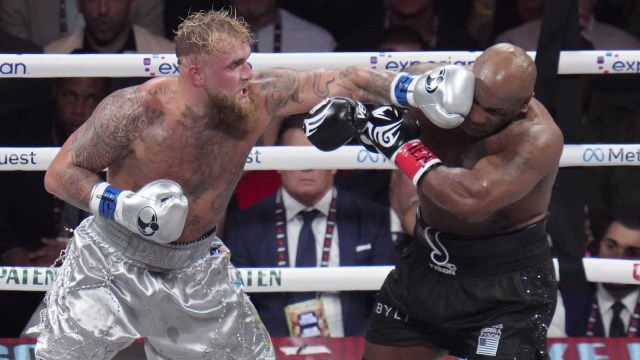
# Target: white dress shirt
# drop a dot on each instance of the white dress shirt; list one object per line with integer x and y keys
{"x": 605, "y": 301}
{"x": 330, "y": 300}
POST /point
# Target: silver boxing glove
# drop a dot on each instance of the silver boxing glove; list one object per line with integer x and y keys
{"x": 158, "y": 211}
{"x": 444, "y": 94}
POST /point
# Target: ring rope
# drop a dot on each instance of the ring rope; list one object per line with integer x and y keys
{"x": 150, "y": 65}
{"x": 346, "y": 157}
{"x": 344, "y": 278}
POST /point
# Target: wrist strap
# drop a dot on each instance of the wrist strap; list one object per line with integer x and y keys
{"x": 415, "y": 160}
{"x": 400, "y": 87}
{"x": 104, "y": 198}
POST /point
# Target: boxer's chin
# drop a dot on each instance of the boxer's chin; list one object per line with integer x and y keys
{"x": 227, "y": 114}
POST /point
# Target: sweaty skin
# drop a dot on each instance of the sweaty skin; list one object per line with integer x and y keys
{"x": 196, "y": 129}
{"x": 499, "y": 166}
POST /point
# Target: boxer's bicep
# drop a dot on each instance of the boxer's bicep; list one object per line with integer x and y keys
{"x": 110, "y": 131}
{"x": 102, "y": 140}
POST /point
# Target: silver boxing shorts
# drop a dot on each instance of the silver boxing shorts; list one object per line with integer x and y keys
{"x": 186, "y": 301}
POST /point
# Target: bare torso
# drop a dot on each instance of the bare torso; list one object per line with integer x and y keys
{"x": 171, "y": 144}
{"x": 536, "y": 134}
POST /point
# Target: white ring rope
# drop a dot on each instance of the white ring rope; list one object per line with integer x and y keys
{"x": 149, "y": 65}
{"x": 345, "y": 278}
{"x": 346, "y": 157}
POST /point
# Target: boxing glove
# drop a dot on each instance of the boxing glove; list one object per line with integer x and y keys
{"x": 444, "y": 94}
{"x": 334, "y": 122}
{"x": 397, "y": 139}
{"x": 158, "y": 211}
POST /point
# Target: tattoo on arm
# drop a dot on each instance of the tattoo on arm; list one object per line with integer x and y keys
{"x": 280, "y": 86}
{"x": 110, "y": 131}
{"x": 321, "y": 86}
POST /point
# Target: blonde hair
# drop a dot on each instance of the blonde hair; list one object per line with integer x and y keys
{"x": 207, "y": 32}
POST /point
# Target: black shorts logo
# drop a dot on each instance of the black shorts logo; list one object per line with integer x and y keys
{"x": 439, "y": 254}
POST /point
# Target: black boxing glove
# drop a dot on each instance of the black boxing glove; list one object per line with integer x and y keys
{"x": 334, "y": 122}
{"x": 397, "y": 138}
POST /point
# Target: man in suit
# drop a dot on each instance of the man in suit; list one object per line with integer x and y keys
{"x": 357, "y": 228}
{"x": 605, "y": 309}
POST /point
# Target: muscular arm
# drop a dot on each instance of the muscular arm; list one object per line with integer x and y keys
{"x": 105, "y": 138}
{"x": 496, "y": 180}
{"x": 285, "y": 92}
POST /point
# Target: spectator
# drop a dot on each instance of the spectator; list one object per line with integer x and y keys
{"x": 36, "y": 21}
{"x": 278, "y": 30}
{"x": 361, "y": 236}
{"x": 338, "y": 16}
{"x": 109, "y": 29}
{"x": 437, "y": 22}
{"x": 599, "y": 35}
{"x": 401, "y": 38}
{"x": 589, "y": 311}
{"x": 33, "y": 223}
{"x": 622, "y": 13}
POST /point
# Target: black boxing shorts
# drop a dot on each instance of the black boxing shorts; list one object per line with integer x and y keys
{"x": 488, "y": 297}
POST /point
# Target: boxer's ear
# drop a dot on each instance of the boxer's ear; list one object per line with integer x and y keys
{"x": 195, "y": 74}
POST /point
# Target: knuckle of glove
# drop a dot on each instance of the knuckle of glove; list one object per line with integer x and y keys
{"x": 161, "y": 188}
{"x": 449, "y": 95}
{"x": 331, "y": 123}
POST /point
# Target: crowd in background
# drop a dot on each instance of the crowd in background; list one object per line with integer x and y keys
{"x": 43, "y": 112}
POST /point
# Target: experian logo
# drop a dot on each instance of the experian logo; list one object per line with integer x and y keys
{"x": 162, "y": 68}
{"x": 611, "y": 62}
{"x": 10, "y": 68}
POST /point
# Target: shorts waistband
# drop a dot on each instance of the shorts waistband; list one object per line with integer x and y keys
{"x": 484, "y": 255}
{"x": 148, "y": 252}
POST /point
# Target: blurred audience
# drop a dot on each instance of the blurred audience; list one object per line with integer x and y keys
{"x": 34, "y": 224}
{"x": 401, "y": 38}
{"x": 338, "y": 16}
{"x": 109, "y": 29}
{"x": 622, "y": 13}
{"x": 605, "y": 309}
{"x": 38, "y": 22}
{"x": 278, "y": 30}
{"x": 347, "y": 231}
{"x": 437, "y": 23}
{"x": 597, "y": 35}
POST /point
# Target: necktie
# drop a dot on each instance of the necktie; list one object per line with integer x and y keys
{"x": 306, "y": 252}
{"x": 616, "y": 329}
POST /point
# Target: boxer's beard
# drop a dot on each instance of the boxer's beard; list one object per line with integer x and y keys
{"x": 230, "y": 116}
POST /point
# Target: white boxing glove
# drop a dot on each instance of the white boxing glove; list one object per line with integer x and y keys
{"x": 158, "y": 211}
{"x": 444, "y": 94}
